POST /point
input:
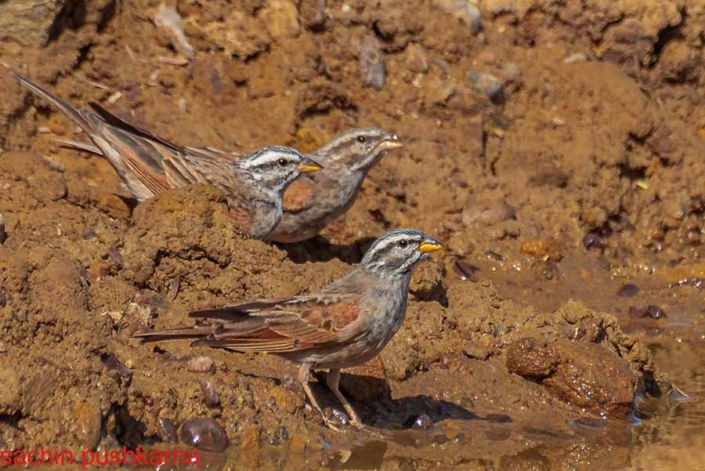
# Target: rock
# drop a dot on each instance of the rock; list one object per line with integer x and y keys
{"x": 211, "y": 398}
{"x": 281, "y": 18}
{"x": 204, "y": 433}
{"x": 416, "y": 60}
{"x": 531, "y": 358}
{"x": 287, "y": 400}
{"x": 372, "y": 71}
{"x": 465, "y": 10}
{"x": 88, "y": 422}
{"x": 201, "y": 364}
{"x": 30, "y": 22}
{"x": 169, "y": 20}
{"x": 583, "y": 374}
{"x": 487, "y": 85}
{"x": 3, "y": 234}
{"x": 543, "y": 249}
{"x": 168, "y": 430}
{"x": 628, "y": 290}
{"x": 10, "y": 399}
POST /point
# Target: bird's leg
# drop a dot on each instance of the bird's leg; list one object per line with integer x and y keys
{"x": 333, "y": 381}
{"x": 304, "y": 373}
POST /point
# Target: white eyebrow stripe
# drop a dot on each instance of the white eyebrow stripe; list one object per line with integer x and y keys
{"x": 391, "y": 240}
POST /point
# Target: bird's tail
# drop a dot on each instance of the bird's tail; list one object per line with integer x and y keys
{"x": 78, "y": 116}
{"x": 181, "y": 333}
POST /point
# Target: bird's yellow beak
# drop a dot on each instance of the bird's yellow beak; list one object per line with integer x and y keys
{"x": 430, "y": 246}
{"x": 309, "y": 165}
{"x": 390, "y": 143}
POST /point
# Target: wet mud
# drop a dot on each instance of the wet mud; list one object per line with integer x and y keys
{"x": 558, "y": 150}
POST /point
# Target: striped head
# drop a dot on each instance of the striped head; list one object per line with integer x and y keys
{"x": 273, "y": 168}
{"x": 398, "y": 252}
{"x": 357, "y": 149}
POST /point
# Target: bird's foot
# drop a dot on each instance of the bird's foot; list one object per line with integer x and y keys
{"x": 340, "y": 421}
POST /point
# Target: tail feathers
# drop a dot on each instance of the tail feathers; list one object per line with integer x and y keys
{"x": 80, "y": 145}
{"x": 82, "y": 118}
{"x": 176, "y": 334}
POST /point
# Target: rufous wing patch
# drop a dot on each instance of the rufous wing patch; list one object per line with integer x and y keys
{"x": 332, "y": 317}
{"x": 299, "y": 195}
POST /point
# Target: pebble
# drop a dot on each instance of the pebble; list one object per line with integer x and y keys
{"x": 201, "y": 364}
{"x": 204, "y": 433}
{"x": 170, "y": 20}
{"x": 593, "y": 240}
{"x": 168, "y": 429}
{"x": 487, "y": 85}
{"x": 3, "y": 234}
{"x": 416, "y": 60}
{"x": 628, "y": 290}
{"x": 464, "y": 10}
{"x": 372, "y": 70}
{"x": 211, "y": 398}
{"x": 651, "y": 311}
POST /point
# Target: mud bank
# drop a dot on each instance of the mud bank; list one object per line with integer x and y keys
{"x": 558, "y": 151}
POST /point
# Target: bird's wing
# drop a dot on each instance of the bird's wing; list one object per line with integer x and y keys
{"x": 299, "y": 195}
{"x": 274, "y": 326}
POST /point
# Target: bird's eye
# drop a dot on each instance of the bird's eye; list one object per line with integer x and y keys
{"x": 361, "y": 139}
{"x": 282, "y": 162}
{"x": 403, "y": 244}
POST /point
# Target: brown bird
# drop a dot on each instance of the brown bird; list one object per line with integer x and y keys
{"x": 345, "y": 324}
{"x": 314, "y": 201}
{"x": 150, "y": 165}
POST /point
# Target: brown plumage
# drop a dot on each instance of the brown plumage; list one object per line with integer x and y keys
{"x": 150, "y": 165}
{"x": 346, "y": 324}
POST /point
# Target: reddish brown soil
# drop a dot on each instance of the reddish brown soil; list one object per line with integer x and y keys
{"x": 600, "y": 131}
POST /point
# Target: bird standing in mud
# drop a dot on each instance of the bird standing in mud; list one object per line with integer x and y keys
{"x": 345, "y": 324}
{"x": 150, "y": 165}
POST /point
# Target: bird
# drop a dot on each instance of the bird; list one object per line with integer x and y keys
{"x": 149, "y": 165}
{"x": 345, "y": 324}
{"x": 314, "y": 201}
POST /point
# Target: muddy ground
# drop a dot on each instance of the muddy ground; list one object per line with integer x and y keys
{"x": 573, "y": 197}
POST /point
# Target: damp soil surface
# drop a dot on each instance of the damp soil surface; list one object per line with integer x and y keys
{"x": 557, "y": 148}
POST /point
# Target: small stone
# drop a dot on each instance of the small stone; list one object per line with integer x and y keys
{"x": 10, "y": 394}
{"x": 372, "y": 71}
{"x": 487, "y": 85}
{"x": 170, "y": 21}
{"x": 531, "y": 358}
{"x": 593, "y": 240}
{"x": 204, "y": 433}
{"x": 201, "y": 364}
{"x": 464, "y": 10}
{"x": 656, "y": 312}
{"x": 211, "y": 398}
{"x": 544, "y": 249}
{"x": 628, "y": 290}
{"x": 3, "y": 234}
{"x": 416, "y": 60}
{"x": 281, "y": 19}
{"x": 168, "y": 430}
